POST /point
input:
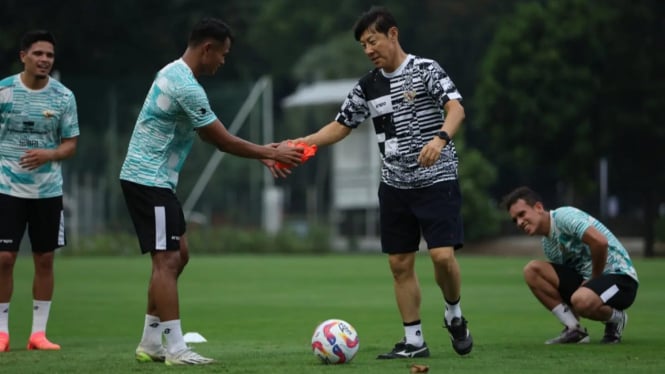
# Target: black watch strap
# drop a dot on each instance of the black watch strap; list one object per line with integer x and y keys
{"x": 443, "y": 135}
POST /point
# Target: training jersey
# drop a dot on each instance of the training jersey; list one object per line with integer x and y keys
{"x": 406, "y": 108}
{"x": 175, "y": 106}
{"x": 33, "y": 119}
{"x": 564, "y": 244}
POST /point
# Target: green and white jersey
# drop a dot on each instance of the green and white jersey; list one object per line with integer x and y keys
{"x": 176, "y": 105}
{"x": 33, "y": 119}
{"x": 564, "y": 244}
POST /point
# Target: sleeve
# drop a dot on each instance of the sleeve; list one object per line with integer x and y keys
{"x": 194, "y": 103}
{"x": 354, "y": 110}
{"x": 69, "y": 124}
{"x": 572, "y": 221}
{"x": 439, "y": 85}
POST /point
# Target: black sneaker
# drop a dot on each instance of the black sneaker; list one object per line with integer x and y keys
{"x": 613, "y": 331}
{"x": 460, "y": 336}
{"x": 403, "y": 350}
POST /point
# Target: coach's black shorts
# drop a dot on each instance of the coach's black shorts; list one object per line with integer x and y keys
{"x": 434, "y": 211}
{"x": 157, "y": 216}
{"x": 43, "y": 217}
{"x": 616, "y": 290}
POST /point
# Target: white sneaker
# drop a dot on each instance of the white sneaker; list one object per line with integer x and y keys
{"x": 186, "y": 357}
{"x": 145, "y": 354}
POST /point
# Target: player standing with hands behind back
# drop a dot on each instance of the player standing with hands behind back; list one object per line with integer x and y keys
{"x": 176, "y": 108}
{"x": 406, "y": 97}
{"x": 38, "y": 129}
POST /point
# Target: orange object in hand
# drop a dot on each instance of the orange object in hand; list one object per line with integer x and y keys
{"x": 308, "y": 152}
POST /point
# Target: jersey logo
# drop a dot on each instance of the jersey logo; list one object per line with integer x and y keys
{"x": 202, "y": 111}
{"x": 380, "y": 106}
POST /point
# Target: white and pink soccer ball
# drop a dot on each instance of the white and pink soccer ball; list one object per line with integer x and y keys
{"x": 335, "y": 341}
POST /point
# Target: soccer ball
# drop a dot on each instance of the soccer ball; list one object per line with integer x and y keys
{"x": 335, "y": 341}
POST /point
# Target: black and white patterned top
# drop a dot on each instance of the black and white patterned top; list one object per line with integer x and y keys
{"x": 406, "y": 108}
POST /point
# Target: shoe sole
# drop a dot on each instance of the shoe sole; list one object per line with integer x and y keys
{"x": 171, "y": 363}
{"x": 34, "y": 347}
{"x": 464, "y": 351}
{"x": 397, "y": 357}
{"x": 421, "y": 352}
{"x": 144, "y": 357}
{"x": 585, "y": 340}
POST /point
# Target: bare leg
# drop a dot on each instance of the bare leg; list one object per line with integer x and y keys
{"x": 446, "y": 272}
{"x": 407, "y": 288}
{"x": 7, "y": 261}
{"x": 163, "y": 289}
{"x": 42, "y": 286}
{"x": 543, "y": 282}
{"x": 589, "y": 305}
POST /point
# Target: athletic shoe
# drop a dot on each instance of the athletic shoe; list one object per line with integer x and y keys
{"x": 4, "y": 342}
{"x": 403, "y": 350}
{"x": 460, "y": 336}
{"x": 186, "y": 357}
{"x": 38, "y": 341}
{"x": 571, "y": 336}
{"x": 613, "y": 330}
{"x": 144, "y": 354}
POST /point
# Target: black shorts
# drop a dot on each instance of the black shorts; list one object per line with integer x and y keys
{"x": 434, "y": 211}
{"x": 616, "y": 290}
{"x": 157, "y": 216}
{"x": 43, "y": 217}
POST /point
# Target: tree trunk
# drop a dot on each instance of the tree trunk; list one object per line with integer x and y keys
{"x": 650, "y": 211}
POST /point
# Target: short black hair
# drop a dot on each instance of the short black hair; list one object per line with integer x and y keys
{"x": 377, "y": 17}
{"x": 34, "y": 36}
{"x": 525, "y": 193}
{"x": 210, "y": 28}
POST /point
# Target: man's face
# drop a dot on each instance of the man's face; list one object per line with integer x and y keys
{"x": 214, "y": 55}
{"x": 38, "y": 59}
{"x": 379, "y": 47}
{"x": 527, "y": 218}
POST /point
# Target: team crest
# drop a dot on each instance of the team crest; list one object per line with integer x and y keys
{"x": 409, "y": 96}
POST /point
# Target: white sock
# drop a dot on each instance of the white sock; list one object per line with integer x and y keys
{"x": 4, "y": 317}
{"x": 173, "y": 334}
{"x": 566, "y": 316}
{"x": 452, "y": 311}
{"x": 152, "y": 333}
{"x": 617, "y": 316}
{"x": 414, "y": 334}
{"x": 40, "y": 312}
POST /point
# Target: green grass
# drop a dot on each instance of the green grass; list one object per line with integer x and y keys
{"x": 258, "y": 314}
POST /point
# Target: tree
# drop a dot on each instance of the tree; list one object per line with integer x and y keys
{"x": 565, "y": 83}
{"x": 632, "y": 93}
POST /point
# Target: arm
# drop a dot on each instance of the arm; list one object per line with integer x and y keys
{"x": 34, "y": 158}
{"x": 328, "y": 134}
{"x": 217, "y": 135}
{"x": 597, "y": 243}
{"x": 454, "y": 117}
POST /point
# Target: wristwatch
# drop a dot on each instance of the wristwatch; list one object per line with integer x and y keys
{"x": 443, "y": 135}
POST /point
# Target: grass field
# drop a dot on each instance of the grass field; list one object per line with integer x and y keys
{"x": 258, "y": 314}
